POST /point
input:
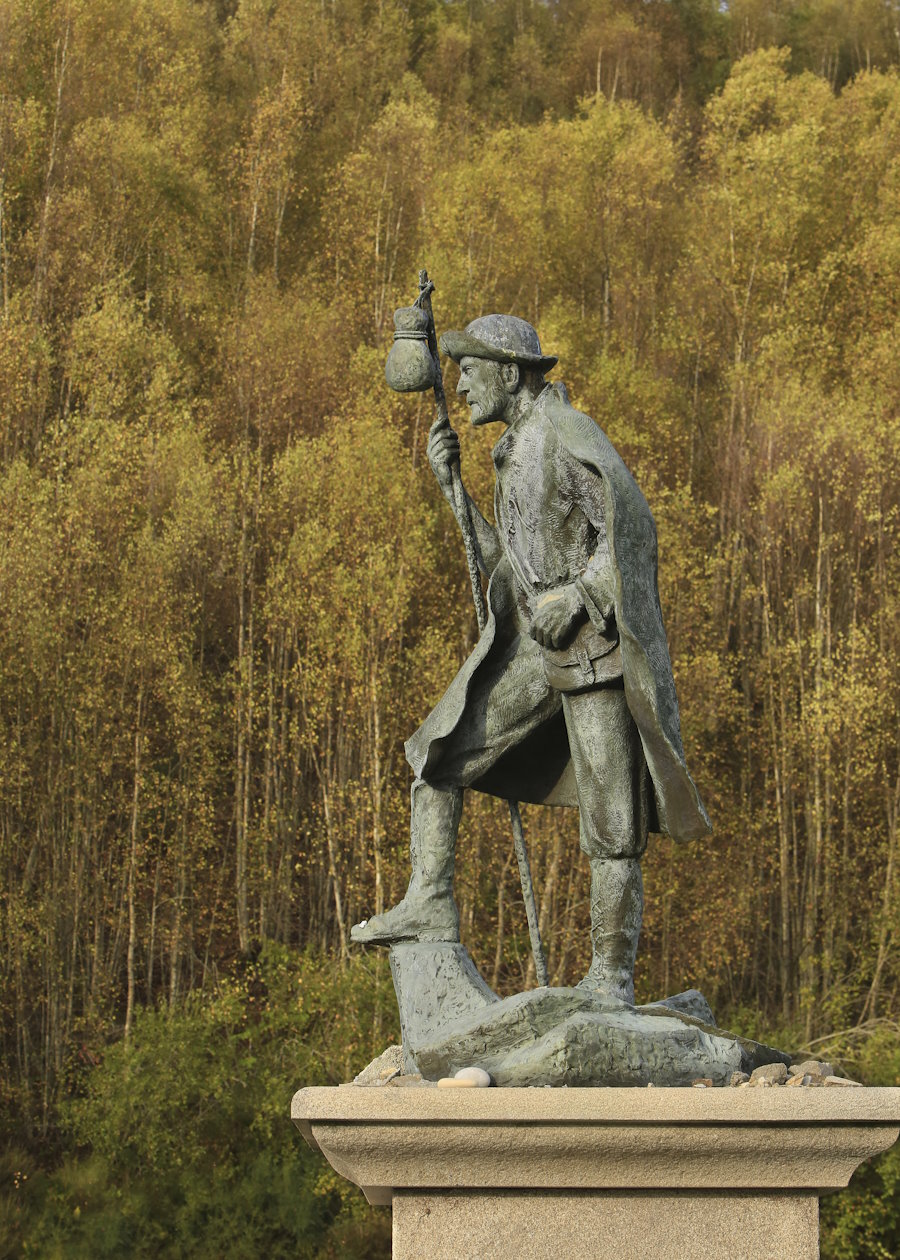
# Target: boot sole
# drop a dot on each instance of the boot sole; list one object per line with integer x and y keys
{"x": 361, "y": 936}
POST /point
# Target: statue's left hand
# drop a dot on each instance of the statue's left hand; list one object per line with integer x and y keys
{"x": 556, "y": 613}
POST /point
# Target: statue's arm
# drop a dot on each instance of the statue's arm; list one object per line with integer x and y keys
{"x": 596, "y": 587}
{"x": 591, "y": 594}
{"x": 597, "y": 583}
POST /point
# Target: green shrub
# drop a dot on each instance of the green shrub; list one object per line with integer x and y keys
{"x": 181, "y": 1138}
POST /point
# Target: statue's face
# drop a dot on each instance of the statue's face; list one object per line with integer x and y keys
{"x": 482, "y": 385}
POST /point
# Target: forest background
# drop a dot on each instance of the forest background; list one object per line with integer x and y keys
{"x": 229, "y": 585}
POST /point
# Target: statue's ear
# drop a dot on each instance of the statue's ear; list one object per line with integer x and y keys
{"x": 511, "y": 375}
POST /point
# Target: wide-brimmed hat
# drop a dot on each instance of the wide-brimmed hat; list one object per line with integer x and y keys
{"x": 503, "y": 338}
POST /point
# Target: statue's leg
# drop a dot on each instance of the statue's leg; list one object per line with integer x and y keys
{"x": 428, "y": 911}
{"x": 507, "y": 703}
{"x": 617, "y": 906}
{"x": 614, "y": 803}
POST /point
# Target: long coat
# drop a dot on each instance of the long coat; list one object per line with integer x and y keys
{"x": 646, "y": 666}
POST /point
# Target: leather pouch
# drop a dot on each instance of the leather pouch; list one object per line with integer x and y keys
{"x": 590, "y": 659}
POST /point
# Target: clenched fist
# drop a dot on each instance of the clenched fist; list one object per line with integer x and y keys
{"x": 555, "y": 617}
{"x": 443, "y": 453}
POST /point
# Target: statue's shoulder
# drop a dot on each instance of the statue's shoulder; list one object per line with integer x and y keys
{"x": 586, "y": 442}
{"x": 577, "y": 432}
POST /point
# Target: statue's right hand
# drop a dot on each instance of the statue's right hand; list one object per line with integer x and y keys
{"x": 443, "y": 453}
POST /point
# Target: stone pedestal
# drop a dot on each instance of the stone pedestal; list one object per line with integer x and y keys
{"x": 529, "y": 1174}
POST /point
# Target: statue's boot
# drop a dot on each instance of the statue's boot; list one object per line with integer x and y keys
{"x": 617, "y": 907}
{"x": 428, "y": 911}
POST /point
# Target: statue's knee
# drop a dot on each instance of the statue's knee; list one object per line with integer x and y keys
{"x": 608, "y": 845}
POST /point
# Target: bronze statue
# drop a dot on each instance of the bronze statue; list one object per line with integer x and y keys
{"x": 568, "y": 696}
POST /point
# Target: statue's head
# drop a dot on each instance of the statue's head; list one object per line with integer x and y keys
{"x": 500, "y": 360}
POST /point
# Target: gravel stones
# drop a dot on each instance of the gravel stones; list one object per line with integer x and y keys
{"x": 807, "y": 1074}
{"x": 770, "y": 1074}
{"x": 812, "y": 1067}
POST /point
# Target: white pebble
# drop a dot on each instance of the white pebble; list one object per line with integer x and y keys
{"x": 479, "y": 1078}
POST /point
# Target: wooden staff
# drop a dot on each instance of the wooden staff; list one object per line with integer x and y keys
{"x": 464, "y": 520}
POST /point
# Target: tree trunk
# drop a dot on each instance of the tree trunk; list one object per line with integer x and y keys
{"x": 132, "y": 865}
{"x": 40, "y": 263}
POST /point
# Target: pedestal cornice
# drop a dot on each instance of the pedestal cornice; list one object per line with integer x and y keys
{"x": 592, "y": 1139}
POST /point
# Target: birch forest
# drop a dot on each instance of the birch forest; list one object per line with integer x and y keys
{"x": 230, "y": 587}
